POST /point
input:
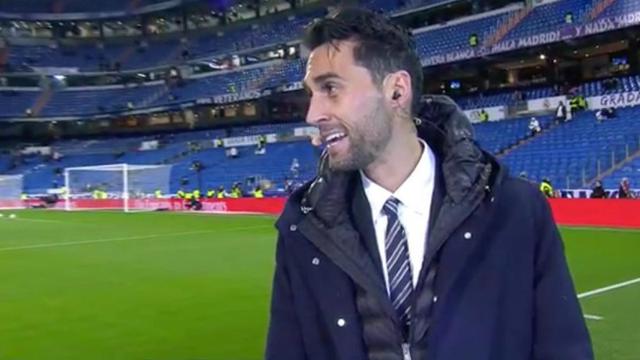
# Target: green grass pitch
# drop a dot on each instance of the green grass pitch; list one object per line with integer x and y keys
{"x": 167, "y": 286}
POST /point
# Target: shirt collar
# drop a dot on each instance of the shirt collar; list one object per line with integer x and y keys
{"x": 414, "y": 191}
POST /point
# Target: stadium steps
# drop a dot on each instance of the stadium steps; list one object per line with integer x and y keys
{"x": 596, "y": 8}
{"x": 157, "y": 95}
{"x": 545, "y": 129}
{"x": 506, "y": 27}
{"x": 41, "y": 101}
{"x": 257, "y": 84}
{"x": 628, "y": 160}
{"x": 126, "y": 54}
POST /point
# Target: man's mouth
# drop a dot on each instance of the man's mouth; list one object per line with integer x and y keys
{"x": 332, "y": 138}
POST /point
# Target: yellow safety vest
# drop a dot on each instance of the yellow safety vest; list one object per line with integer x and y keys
{"x": 546, "y": 189}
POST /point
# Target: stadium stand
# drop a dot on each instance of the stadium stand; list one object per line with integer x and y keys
{"x": 569, "y": 154}
{"x": 88, "y": 58}
{"x": 617, "y": 8}
{"x": 497, "y": 136}
{"x": 630, "y": 170}
{"x": 69, "y": 6}
{"x": 546, "y": 18}
{"x": 581, "y": 146}
{"x": 445, "y": 38}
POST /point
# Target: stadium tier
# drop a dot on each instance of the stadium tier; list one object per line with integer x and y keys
{"x": 569, "y": 154}
{"x": 432, "y": 40}
{"x": 88, "y": 102}
{"x": 548, "y": 18}
{"x": 574, "y": 151}
{"x": 88, "y": 58}
{"x": 71, "y": 6}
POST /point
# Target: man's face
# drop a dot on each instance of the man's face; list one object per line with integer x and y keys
{"x": 347, "y": 107}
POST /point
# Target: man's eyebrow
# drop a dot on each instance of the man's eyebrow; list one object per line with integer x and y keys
{"x": 320, "y": 79}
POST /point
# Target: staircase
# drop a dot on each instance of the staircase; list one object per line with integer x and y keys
{"x": 613, "y": 169}
{"x": 41, "y": 101}
{"x": 125, "y": 55}
{"x": 258, "y": 83}
{"x": 162, "y": 91}
{"x": 507, "y": 26}
{"x": 596, "y": 8}
{"x": 504, "y": 152}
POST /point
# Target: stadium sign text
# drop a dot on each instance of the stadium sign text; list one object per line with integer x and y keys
{"x": 565, "y": 33}
{"x": 614, "y": 100}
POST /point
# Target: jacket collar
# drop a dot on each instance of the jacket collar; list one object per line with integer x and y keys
{"x": 469, "y": 173}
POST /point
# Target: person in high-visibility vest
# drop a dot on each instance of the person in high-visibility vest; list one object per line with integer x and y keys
{"x": 24, "y": 197}
{"x": 158, "y": 194}
{"x": 180, "y": 194}
{"x": 483, "y": 115}
{"x": 546, "y": 188}
{"x": 568, "y": 17}
{"x": 211, "y": 194}
{"x": 573, "y": 103}
{"x": 473, "y": 40}
{"x": 258, "y": 193}
{"x": 582, "y": 103}
{"x": 196, "y": 194}
{"x": 221, "y": 192}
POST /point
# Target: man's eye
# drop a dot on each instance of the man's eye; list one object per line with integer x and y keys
{"x": 329, "y": 88}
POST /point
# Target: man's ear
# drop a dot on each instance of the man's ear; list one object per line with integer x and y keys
{"x": 397, "y": 89}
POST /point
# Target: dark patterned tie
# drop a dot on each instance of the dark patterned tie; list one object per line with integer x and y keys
{"x": 398, "y": 265}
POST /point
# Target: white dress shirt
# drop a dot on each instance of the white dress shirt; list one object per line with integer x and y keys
{"x": 415, "y": 195}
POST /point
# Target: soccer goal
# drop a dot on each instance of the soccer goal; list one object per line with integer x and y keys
{"x": 116, "y": 187}
{"x": 11, "y": 192}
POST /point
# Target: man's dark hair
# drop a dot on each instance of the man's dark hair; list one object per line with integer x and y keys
{"x": 381, "y": 46}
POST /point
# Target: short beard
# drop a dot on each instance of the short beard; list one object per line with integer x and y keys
{"x": 367, "y": 140}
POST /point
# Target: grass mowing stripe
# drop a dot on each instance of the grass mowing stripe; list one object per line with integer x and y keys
{"x": 608, "y": 288}
{"x": 151, "y": 236}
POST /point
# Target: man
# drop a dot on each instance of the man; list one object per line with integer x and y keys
{"x": 624, "y": 191}
{"x": 534, "y": 126}
{"x": 546, "y": 188}
{"x": 561, "y": 113}
{"x": 221, "y": 192}
{"x": 473, "y": 40}
{"x": 484, "y": 116}
{"x": 295, "y": 168}
{"x": 598, "y": 191}
{"x": 411, "y": 242}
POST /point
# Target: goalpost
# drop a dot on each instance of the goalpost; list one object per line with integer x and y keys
{"x": 11, "y": 192}
{"x": 116, "y": 187}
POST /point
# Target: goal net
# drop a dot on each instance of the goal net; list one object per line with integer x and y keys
{"x": 117, "y": 187}
{"x": 11, "y": 192}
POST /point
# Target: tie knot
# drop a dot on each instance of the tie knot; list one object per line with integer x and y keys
{"x": 391, "y": 206}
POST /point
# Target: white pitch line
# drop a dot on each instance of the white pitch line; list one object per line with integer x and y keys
{"x": 39, "y": 220}
{"x": 608, "y": 288}
{"x": 150, "y": 236}
{"x": 585, "y": 228}
{"x": 593, "y": 317}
